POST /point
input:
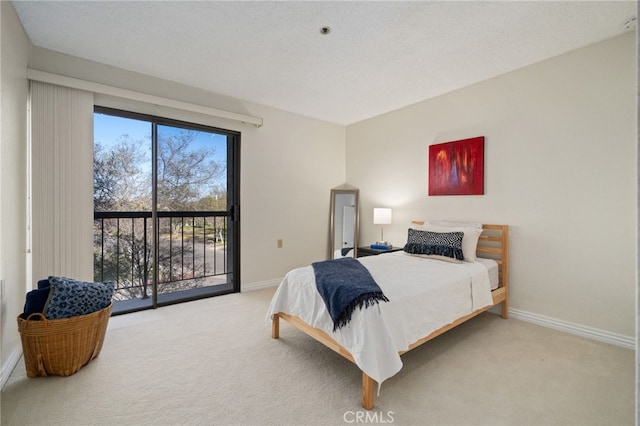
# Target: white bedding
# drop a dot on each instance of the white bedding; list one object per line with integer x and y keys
{"x": 425, "y": 295}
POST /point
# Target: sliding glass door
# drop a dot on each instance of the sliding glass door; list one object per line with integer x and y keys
{"x": 166, "y": 220}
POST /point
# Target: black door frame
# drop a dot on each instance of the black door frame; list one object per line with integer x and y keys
{"x": 233, "y": 202}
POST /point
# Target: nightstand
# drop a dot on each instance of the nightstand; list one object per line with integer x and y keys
{"x": 368, "y": 251}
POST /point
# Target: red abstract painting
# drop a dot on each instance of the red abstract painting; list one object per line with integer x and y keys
{"x": 457, "y": 168}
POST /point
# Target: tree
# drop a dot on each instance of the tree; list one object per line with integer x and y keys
{"x": 213, "y": 202}
{"x": 185, "y": 174}
{"x": 121, "y": 181}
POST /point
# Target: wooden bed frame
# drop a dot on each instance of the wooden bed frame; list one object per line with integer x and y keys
{"x": 493, "y": 243}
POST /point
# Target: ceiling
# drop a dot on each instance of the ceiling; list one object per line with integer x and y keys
{"x": 379, "y": 56}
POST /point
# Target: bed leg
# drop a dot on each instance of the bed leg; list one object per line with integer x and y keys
{"x": 505, "y": 309}
{"x": 275, "y": 326}
{"x": 368, "y": 387}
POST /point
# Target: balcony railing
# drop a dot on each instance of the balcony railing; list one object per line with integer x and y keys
{"x": 191, "y": 252}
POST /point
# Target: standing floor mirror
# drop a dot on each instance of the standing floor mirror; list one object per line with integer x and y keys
{"x": 343, "y": 237}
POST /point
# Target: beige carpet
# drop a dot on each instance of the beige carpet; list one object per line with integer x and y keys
{"x": 213, "y": 362}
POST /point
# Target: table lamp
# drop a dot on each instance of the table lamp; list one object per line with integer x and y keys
{"x": 381, "y": 216}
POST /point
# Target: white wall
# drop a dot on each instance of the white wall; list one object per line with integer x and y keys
{"x": 560, "y": 169}
{"x": 13, "y": 183}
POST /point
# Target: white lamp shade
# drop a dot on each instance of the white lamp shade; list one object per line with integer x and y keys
{"x": 381, "y": 216}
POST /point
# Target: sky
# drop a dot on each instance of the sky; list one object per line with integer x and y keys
{"x": 108, "y": 129}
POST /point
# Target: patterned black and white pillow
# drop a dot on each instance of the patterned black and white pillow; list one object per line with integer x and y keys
{"x": 69, "y": 298}
{"x": 447, "y": 245}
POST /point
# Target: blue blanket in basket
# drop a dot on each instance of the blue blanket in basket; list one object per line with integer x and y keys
{"x": 345, "y": 284}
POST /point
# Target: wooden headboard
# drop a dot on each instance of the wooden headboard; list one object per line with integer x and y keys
{"x": 494, "y": 244}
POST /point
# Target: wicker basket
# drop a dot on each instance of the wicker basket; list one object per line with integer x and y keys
{"x": 61, "y": 347}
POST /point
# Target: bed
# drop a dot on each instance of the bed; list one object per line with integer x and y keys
{"x": 377, "y": 336}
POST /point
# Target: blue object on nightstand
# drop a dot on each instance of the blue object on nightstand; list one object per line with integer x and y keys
{"x": 380, "y": 247}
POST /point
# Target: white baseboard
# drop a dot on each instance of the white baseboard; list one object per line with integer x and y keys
{"x": 7, "y": 369}
{"x": 577, "y": 329}
{"x": 261, "y": 285}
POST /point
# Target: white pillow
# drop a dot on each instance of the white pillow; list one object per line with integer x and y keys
{"x": 454, "y": 224}
{"x": 469, "y": 240}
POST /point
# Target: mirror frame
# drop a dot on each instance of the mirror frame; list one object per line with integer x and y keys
{"x": 332, "y": 222}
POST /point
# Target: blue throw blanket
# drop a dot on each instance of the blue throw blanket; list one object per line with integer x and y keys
{"x": 345, "y": 284}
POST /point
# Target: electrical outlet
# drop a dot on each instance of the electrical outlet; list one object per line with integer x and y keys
{"x": 279, "y": 243}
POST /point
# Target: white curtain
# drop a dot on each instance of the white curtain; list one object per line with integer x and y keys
{"x": 61, "y": 182}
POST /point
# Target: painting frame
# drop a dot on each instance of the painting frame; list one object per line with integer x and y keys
{"x": 457, "y": 167}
